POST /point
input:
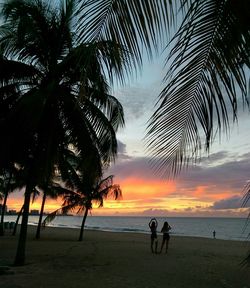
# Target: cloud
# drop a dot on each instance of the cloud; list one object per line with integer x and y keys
{"x": 121, "y": 147}
{"x": 136, "y": 167}
{"x": 155, "y": 212}
{"x": 138, "y": 100}
{"x": 188, "y": 209}
{"x": 215, "y": 158}
{"x": 229, "y": 176}
{"x": 122, "y": 151}
{"x": 233, "y": 202}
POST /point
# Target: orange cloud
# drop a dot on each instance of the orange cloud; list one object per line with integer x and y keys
{"x": 136, "y": 188}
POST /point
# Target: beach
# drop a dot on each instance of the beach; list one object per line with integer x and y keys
{"x": 107, "y": 259}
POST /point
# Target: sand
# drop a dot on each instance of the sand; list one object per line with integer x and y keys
{"x": 105, "y": 259}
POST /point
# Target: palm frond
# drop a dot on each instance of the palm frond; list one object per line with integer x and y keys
{"x": 14, "y": 71}
{"x": 94, "y": 135}
{"x": 51, "y": 216}
{"x": 106, "y": 189}
{"x": 246, "y": 261}
{"x": 110, "y": 106}
{"x": 246, "y": 192}
{"x": 131, "y": 23}
{"x": 65, "y": 208}
{"x": 202, "y": 85}
{"x": 35, "y": 194}
{"x": 68, "y": 172}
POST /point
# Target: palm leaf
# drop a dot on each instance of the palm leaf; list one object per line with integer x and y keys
{"x": 51, "y": 216}
{"x": 206, "y": 72}
{"x": 105, "y": 189}
{"x": 246, "y": 191}
{"x": 130, "y": 23}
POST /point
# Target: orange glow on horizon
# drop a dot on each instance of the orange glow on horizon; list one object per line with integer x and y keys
{"x": 142, "y": 195}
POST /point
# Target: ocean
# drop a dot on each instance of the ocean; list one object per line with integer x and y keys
{"x": 226, "y": 228}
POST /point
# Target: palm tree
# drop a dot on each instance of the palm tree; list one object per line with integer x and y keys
{"x": 54, "y": 93}
{"x": 10, "y": 180}
{"x": 84, "y": 196}
{"x": 5, "y": 183}
{"x": 46, "y": 193}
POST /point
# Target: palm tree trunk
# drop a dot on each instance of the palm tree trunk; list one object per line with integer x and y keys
{"x": 4, "y": 206}
{"x": 17, "y": 220}
{"x": 3, "y": 212}
{"x": 83, "y": 223}
{"x": 41, "y": 216}
{"x": 20, "y": 254}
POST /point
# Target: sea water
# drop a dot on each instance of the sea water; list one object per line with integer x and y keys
{"x": 225, "y": 228}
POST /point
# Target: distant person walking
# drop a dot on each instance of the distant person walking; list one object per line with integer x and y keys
{"x": 154, "y": 241}
{"x": 165, "y": 230}
{"x": 214, "y": 234}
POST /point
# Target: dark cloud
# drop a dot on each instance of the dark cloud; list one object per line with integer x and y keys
{"x": 233, "y": 202}
{"x": 121, "y": 147}
{"x": 188, "y": 209}
{"x": 230, "y": 175}
{"x": 233, "y": 174}
{"x": 137, "y": 167}
{"x": 122, "y": 151}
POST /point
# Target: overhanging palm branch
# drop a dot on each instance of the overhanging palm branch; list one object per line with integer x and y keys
{"x": 133, "y": 23}
{"x": 246, "y": 261}
{"x": 209, "y": 55}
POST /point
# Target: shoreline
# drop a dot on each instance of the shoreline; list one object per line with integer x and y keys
{"x": 144, "y": 233}
{"x": 229, "y": 229}
{"x": 107, "y": 259}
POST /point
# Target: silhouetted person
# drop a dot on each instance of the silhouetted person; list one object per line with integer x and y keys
{"x": 154, "y": 241}
{"x": 214, "y": 234}
{"x": 165, "y": 230}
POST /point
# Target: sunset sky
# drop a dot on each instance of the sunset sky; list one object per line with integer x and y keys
{"x": 212, "y": 188}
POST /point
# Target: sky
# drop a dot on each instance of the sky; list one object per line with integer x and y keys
{"x": 213, "y": 188}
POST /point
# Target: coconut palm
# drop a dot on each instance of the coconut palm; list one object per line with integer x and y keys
{"x": 54, "y": 93}
{"x": 84, "y": 196}
{"x": 5, "y": 186}
{"x": 10, "y": 180}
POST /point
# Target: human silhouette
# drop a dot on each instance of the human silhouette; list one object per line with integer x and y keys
{"x": 154, "y": 241}
{"x": 165, "y": 239}
{"x": 214, "y": 234}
